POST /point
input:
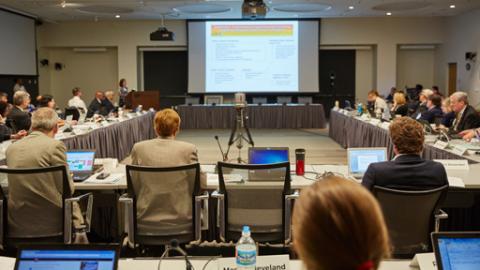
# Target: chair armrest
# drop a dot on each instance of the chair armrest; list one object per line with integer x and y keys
{"x": 201, "y": 209}
{"x": 439, "y": 215}
{"x": 220, "y": 213}
{"x": 68, "y": 213}
{"x": 288, "y": 216}
{"x": 128, "y": 218}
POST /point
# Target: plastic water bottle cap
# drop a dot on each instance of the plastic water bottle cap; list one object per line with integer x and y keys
{"x": 246, "y": 229}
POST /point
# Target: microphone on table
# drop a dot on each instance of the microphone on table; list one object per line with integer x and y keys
{"x": 224, "y": 156}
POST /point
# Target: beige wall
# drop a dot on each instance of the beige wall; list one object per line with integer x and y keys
{"x": 384, "y": 33}
{"x": 364, "y": 73}
{"x": 415, "y": 66}
{"x": 91, "y": 71}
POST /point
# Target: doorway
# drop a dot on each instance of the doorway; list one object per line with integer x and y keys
{"x": 452, "y": 78}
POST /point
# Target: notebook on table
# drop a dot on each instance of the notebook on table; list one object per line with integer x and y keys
{"x": 61, "y": 257}
{"x": 360, "y": 158}
{"x": 80, "y": 163}
{"x": 457, "y": 250}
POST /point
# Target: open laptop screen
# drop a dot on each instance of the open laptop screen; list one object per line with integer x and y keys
{"x": 57, "y": 259}
{"x": 458, "y": 252}
{"x": 360, "y": 158}
{"x": 80, "y": 161}
{"x": 265, "y": 155}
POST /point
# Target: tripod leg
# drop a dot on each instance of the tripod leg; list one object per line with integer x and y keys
{"x": 250, "y": 140}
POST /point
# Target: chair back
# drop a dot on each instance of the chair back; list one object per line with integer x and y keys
{"x": 34, "y": 202}
{"x": 258, "y": 204}
{"x": 73, "y": 111}
{"x": 163, "y": 202}
{"x": 409, "y": 216}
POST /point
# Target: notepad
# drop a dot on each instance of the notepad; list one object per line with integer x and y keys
{"x": 212, "y": 178}
{"x": 456, "y": 182}
{"x": 111, "y": 179}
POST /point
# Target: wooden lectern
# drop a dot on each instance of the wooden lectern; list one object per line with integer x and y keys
{"x": 148, "y": 99}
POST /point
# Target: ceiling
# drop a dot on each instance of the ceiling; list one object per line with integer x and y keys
{"x": 97, "y": 10}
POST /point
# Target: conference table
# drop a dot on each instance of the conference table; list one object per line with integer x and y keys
{"x": 273, "y": 116}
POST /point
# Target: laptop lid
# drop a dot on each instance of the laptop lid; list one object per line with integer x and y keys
{"x": 267, "y": 155}
{"x": 457, "y": 250}
{"x": 60, "y": 257}
{"x": 360, "y": 158}
{"x": 80, "y": 161}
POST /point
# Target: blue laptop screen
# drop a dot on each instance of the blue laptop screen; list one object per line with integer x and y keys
{"x": 80, "y": 161}
{"x": 267, "y": 156}
{"x": 459, "y": 253}
{"x": 359, "y": 159}
{"x": 66, "y": 259}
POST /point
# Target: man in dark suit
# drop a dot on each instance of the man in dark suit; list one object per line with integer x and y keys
{"x": 18, "y": 119}
{"x": 466, "y": 117}
{"x": 407, "y": 170}
{"x": 97, "y": 105}
{"x": 434, "y": 105}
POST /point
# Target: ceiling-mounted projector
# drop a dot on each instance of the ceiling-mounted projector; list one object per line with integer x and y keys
{"x": 162, "y": 34}
{"x": 253, "y": 9}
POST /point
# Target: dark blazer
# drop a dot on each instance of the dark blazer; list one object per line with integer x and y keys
{"x": 470, "y": 119}
{"x": 18, "y": 119}
{"x": 108, "y": 107}
{"x": 5, "y": 133}
{"x": 402, "y": 110}
{"x": 448, "y": 119}
{"x": 431, "y": 114}
{"x": 407, "y": 172}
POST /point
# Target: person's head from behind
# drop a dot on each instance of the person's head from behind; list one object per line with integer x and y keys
{"x": 419, "y": 87}
{"x": 76, "y": 92}
{"x": 344, "y": 217}
{"x": 399, "y": 98}
{"x": 122, "y": 83}
{"x": 110, "y": 95}
{"x": 446, "y": 108}
{"x": 407, "y": 136}
{"x": 46, "y": 101}
{"x": 21, "y": 99}
{"x": 425, "y": 94}
{"x": 393, "y": 90}
{"x": 458, "y": 101}
{"x": 3, "y": 97}
{"x": 436, "y": 90}
{"x": 372, "y": 95}
{"x": 45, "y": 120}
{"x": 19, "y": 81}
{"x": 434, "y": 101}
{"x": 167, "y": 123}
{"x": 99, "y": 95}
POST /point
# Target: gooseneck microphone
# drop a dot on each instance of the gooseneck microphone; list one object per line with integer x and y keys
{"x": 224, "y": 156}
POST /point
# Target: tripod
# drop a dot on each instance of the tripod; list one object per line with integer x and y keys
{"x": 237, "y": 135}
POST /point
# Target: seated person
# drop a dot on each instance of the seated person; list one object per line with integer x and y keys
{"x": 436, "y": 91}
{"x": 434, "y": 105}
{"x": 407, "y": 170}
{"x": 341, "y": 215}
{"x": 466, "y": 117}
{"x": 399, "y": 105}
{"x": 5, "y": 107}
{"x": 97, "y": 106}
{"x": 6, "y": 133}
{"x": 76, "y": 101}
{"x": 27, "y": 200}
{"x": 165, "y": 151}
{"x": 422, "y": 106}
{"x": 18, "y": 118}
{"x": 389, "y": 98}
{"x": 448, "y": 114}
{"x": 379, "y": 105}
{"x": 46, "y": 101}
{"x": 109, "y": 101}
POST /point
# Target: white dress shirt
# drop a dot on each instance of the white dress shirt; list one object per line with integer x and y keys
{"x": 76, "y": 101}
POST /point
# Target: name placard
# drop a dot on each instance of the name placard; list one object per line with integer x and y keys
{"x": 385, "y": 125}
{"x": 374, "y": 121}
{"x": 275, "y": 262}
{"x": 335, "y": 109}
{"x": 345, "y": 112}
{"x": 440, "y": 144}
{"x": 459, "y": 149}
{"x": 454, "y": 164}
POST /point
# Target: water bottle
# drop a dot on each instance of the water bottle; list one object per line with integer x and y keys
{"x": 359, "y": 109}
{"x": 246, "y": 251}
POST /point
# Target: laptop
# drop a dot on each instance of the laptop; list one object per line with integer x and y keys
{"x": 457, "y": 250}
{"x": 360, "y": 158}
{"x": 267, "y": 155}
{"x": 80, "y": 163}
{"x": 60, "y": 257}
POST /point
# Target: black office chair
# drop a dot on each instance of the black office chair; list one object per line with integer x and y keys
{"x": 409, "y": 215}
{"x": 151, "y": 223}
{"x": 73, "y": 111}
{"x": 263, "y": 204}
{"x": 54, "y": 176}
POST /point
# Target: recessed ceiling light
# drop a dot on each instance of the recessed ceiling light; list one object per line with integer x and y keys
{"x": 452, "y": 6}
{"x": 389, "y": 14}
{"x": 63, "y": 4}
{"x": 351, "y": 7}
{"x": 117, "y": 16}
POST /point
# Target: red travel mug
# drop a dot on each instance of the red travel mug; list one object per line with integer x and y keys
{"x": 300, "y": 161}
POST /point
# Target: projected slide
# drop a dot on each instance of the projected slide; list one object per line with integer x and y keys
{"x": 252, "y": 56}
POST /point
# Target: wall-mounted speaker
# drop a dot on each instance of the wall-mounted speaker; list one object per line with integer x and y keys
{"x": 59, "y": 66}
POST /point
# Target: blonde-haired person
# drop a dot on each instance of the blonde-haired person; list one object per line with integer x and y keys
{"x": 399, "y": 104}
{"x": 346, "y": 219}
{"x": 164, "y": 151}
